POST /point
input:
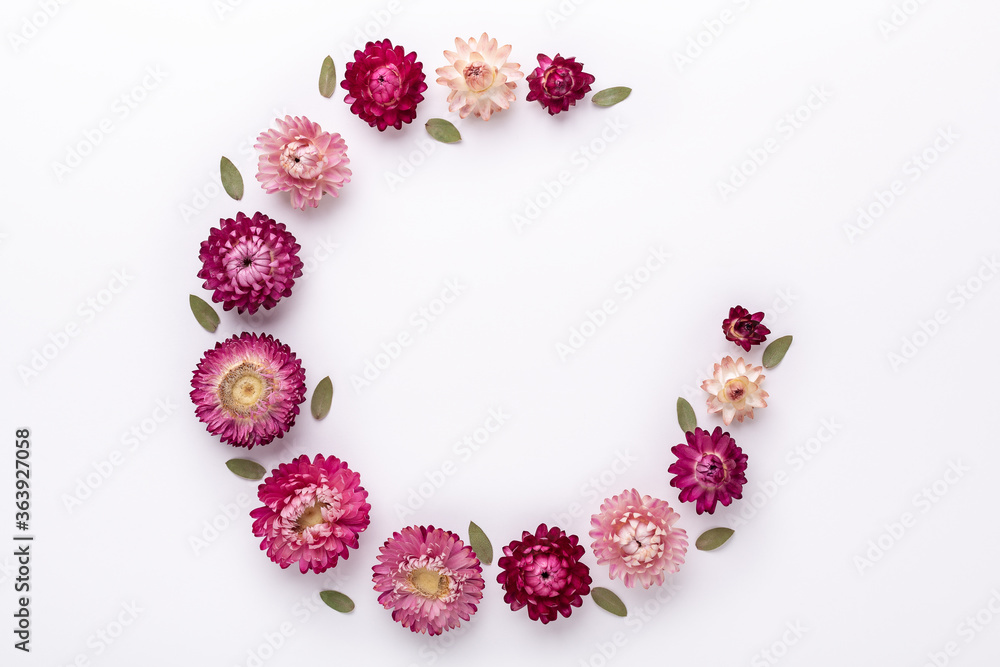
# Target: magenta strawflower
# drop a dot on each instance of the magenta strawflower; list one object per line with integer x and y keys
{"x": 709, "y": 469}
{"x": 384, "y": 85}
{"x": 429, "y": 579}
{"x": 249, "y": 262}
{"x": 635, "y": 536}
{"x": 313, "y": 513}
{"x": 247, "y": 389}
{"x": 543, "y": 572}
{"x": 557, "y": 83}
{"x": 299, "y": 157}
{"x": 743, "y": 328}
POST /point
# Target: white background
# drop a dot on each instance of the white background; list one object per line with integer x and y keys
{"x": 143, "y": 198}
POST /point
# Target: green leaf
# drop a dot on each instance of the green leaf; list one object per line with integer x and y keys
{"x": 246, "y": 468}
{"x": 608, "y": 601}
{"x": 611, "y": 96}
{"x": 337, "y": 601}
{"x": 328, "y": 78}
{"x": 685, "y": 416}
{"x": 204, "y": 313}
{"x": 443, "y": 131}
{"x": 775, "y": 352}
{"x": 322, "y": 397}
{"x": 712, "y": 539}
{"x": 231, "y": 179}
{"x": 480, "y": 544}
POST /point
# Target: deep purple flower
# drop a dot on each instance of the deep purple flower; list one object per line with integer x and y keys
{"x": 383, "y": 85}
{"x": 709, "y": 469}
{"x": 557, "y": 83}
{"x": 743, "y": 328}
{"x": 543, "y": 572}
{"x": 249, "y": 262}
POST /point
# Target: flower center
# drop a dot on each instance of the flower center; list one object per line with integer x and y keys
{"x": 742, "y": 328}
{"x": 242, "y": 388}
{"x": 479, "y": 76}
{"x": 557, "y": 81}
{"x": 384, "y": 84}
{"x": 313, "y": 516}
{"x": 711, "y": 470}
{"x": 301, "y": 159}
{"x": 640, "y": 541}
{"x": 429, "y": 583}
{"x": 735, "y": 390}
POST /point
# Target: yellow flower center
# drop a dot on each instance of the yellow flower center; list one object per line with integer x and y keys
{"x": 242, "y": 388}
{"x": 735, "y": 390}
{"x": 312, "y": 516}
{"x": 479, "y": 76}
{"x": 429, "y": 583}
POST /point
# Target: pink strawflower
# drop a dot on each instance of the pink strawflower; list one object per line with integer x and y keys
{"x": 299, "y": 157}
{"x": 735, "y": 390}
{"x": 313, "y": 513}
{"x": 557, "y": 83}
{"x": 709, "y": 469}
{"x": 743, "y": 328}
{"x": 249, "y": 262}
{"x": 635, "y": 536}
{"x": 429, "y": 578}
{"x": 247, "y": 389}
{"x": 480, "y": 78}
{"x": 543, "y": 572}
{"x": 384, "y": 85}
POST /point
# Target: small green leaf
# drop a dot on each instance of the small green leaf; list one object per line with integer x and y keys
{"x": 443, "y": 131}
{"x": 204, "y": 313}
{"x": 246, "y": 468}
{"x": 328, "y": 78}
{"x": 608, "y": 601}
{"x": 775, "y": 352}
{"x": 611, "y": 96}
{"x": 337, "y": 601}
{"x": 322, "y": 397}
{"x": 712, "y": 539}
{"x": 231, "y": 179}
{"x": 480, "y": 544}
{"x": 685, "y": 416}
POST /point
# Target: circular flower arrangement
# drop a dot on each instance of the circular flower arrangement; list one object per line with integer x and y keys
{"x": 248, "y": 388}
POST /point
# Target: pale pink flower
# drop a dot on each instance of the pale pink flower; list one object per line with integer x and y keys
{"x": 735, "y": 390}
{"x": 635, "y": 536}
{"x": 480, "y": 78}
{"x": 299, "y": 157}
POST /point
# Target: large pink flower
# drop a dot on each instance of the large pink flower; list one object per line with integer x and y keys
{"x": 299, "y": 157}
{"x": 710, "y": 469}
{"x": 543, "y": 572}
{"x": 735, "y": 390}
{"x": 429, "y": 578}
{"x": 384, "y": 85}
{"x": 248, "y": 389}
{"x": 313, "y": 513}
{"x": 635, "y": 536}
{"x": 480, "y": 78}
{"x": 249, "y": 262}
{"x": 557, "y": 83}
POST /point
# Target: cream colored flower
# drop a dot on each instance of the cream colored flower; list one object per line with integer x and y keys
{"x": 735, "y": 390}
{"x": 480, "y": 78}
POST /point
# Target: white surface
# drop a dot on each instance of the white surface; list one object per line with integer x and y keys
{"x": 655, "y": 185}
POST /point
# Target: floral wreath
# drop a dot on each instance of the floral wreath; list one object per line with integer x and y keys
{"x": 248, "y": 388}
